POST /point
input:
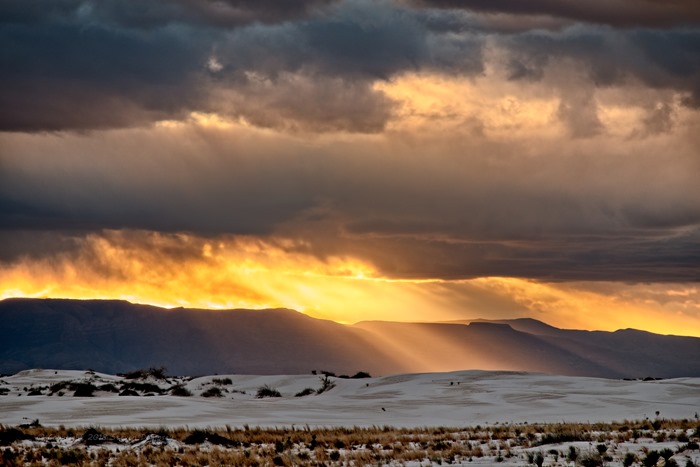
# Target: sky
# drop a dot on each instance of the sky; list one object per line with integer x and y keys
{"x": 409, "y": 160}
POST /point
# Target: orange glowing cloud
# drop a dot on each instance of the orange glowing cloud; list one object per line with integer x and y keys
{"x": 249, "y": 272}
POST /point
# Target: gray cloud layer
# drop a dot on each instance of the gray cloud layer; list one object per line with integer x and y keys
{"x": 81, "y": 64}
{"x": 624, "y": 13}
{"x": 586, "y": 215}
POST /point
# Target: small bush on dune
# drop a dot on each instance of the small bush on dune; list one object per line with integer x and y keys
{"x": 326, "y": 385}
{"x": 267, "y": 391}
{"x": 651, "y": 459}
{"x": 360, "y": 375}
{"x": 222, "y": 381}
{"x": 54, "y": 388}
{"x": 84, "y": 390}
{"x": 305, "y": 392}
{"x": 157, "y": 373}
{"x": 180, "y": 391}
{"x": 212, "y": 392}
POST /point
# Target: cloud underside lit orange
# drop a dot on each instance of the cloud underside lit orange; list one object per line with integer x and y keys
{"x": 174, "y": 270}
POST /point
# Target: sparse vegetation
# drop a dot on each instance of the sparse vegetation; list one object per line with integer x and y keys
{"x": 142, "y": 387}
{"x": 305, "y": 392}
{"x": 213, "y": 391}
{"x": 360, "y": 375}
{"x": 510, "y": 444}
{"x": 326, "y": 385}
{"x": 157, "y": 373}
{"x": 222, "y": 381}
{"x": 83, "y": 389}
{"x": 180, "y": 390}
{"x": 267, "y": 391}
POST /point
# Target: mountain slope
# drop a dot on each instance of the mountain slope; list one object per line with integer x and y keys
{"x": 117, "y": 336}
{"x": 531, "y": 345}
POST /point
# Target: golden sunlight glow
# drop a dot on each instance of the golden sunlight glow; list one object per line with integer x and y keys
{"x": 606, "y": 306}
{"x": 495, "y": 108}
{"x": 201, "y": 119}
{"x": 248, "y": 272}
{"x": 240, "y": 272}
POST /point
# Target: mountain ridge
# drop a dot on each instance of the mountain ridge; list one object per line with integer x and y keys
{"x": 118, "y": 336}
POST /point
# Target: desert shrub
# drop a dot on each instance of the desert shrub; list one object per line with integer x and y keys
{"x": 560, "y": 437}
{"x": 651, "y": 458}
{"x": 629, "y": 459}
{"x": 180, "y": 391}
{"x": 35, "y": 424}
{"x": 71, "y": 456}
{"x": 213, "y": 391}
{"x": 267, "y": 391}
{"x": 222, "y": 381}
{"x": 128, "y": 392}
{"x": 591, "y": 460}
{"x": 198, "y": 437}
{"x": 666, "y": 453}
{"x": 10, "y": 458}
{"x": 59, "y": 386}
{"x": 157, "y": 373}
{"x": 83, "y": 389}
{"x": 305, "y": 392}
{"x": 11, "y": 435}
{"x": 35, "y": 392}
{"x": 327, "y": 373}
{"x": 326, "y": 385}
{"x": 573, "y": 454}
{"x": 538, "y": 459}
{"x": 360, "y": 375}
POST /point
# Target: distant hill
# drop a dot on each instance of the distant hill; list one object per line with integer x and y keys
{"x": 117, "y": 336}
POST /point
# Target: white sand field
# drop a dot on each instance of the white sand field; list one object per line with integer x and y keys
{"x": 463, "y": 398}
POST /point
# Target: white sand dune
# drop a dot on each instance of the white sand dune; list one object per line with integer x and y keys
{"x": 409, "y": 400}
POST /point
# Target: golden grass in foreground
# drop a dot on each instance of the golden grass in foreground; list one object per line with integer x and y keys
{"x": 523, "y": 444}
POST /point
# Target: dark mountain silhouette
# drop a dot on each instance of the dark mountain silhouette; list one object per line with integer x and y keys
{"x": 117, "y": 336}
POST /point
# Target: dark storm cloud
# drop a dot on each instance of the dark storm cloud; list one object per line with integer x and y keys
{"x": 83, "y": 65}
{"x": 624, "y": 13}
{"x": 71, "y": 76}
{"x": 157, "y": 13}
{"x": 664, "y": 59}
{"x": 86, "y": 64}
